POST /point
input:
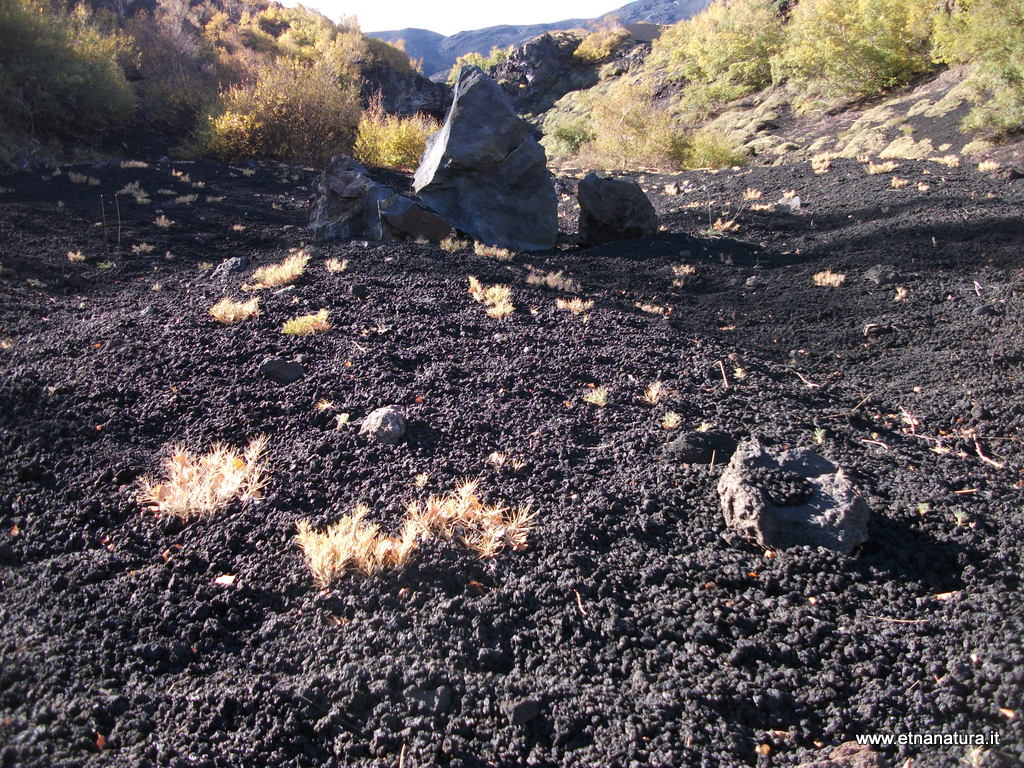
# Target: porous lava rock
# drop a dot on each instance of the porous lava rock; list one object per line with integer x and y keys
{"x": 350, "y": 204}
{"x": 613, "y": 209}
{"x": 282, "y": 371}
{"x": 385, "y": 425}
{"x": 850, "y": 754}
{"x": 485, "y": 172}
{"x": 797, "y": 498}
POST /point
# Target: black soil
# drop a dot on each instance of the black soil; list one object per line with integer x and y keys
{"x": 635, "y": 629}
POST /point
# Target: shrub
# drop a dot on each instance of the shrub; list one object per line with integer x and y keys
{"x": 304, "y": 325}
{"x": 61, "y": 77}
{"x": 705, "y": 149}
{"x": 990, "y": 35}
{"x": 567, "y": 134}
{"x": 724, "y": 52}
{"x": 600, "y": 44}
{"x": 497, "y": 56}
{"x": 292, "y": 111}
{"x": 284, "y": 272}
{"x": 855, "y": 47}
{"x": 228, "y": 311}
{"x": 391, "y": 141}
{"x": 629, "y": 129}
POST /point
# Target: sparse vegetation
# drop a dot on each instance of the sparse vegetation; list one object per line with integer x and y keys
{"x": 282, "y": 273}
{"x": 575, "y": 305}
{"x": 200, "y": 486}
{"x": 336, "y": 265}
{"x": 829, "y": 279}
{"x": 163, "y": 222}
{"x": 492, "y": 252}
{"x": 229, "y": 311}
{"x": 497, "y": 299}
{"x": 454, "y": 245}
{"x": 671, "y": 420}
{"x": 654, "y": 392}
{"x": 473, "y": 59}
{"x": 304, "y": 325}
{"x": 354, "y": 544}
{"x": 886, "y": 167}
{"x": 76, "y": 256}
{"x": 556, "y": 281}
{"x": 597, "y": 396}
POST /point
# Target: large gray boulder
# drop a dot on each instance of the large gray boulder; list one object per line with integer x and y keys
{"x": 349, "y": 204}
{"x": 385, "y": 425}
{"x": 486, "y": 174}
{"x": 613, "y": 209}
{"x": 794, "y": 499}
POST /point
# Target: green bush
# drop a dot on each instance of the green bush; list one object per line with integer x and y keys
{"x": 391, "y": 141}
{"x": 599, "y": 45}
{"x": 856, "y": 47}
{"x": 629, "y": 130}
{"x": 497, "y": 56}
{"x": 989, "y": 34}
{"x": 567, "y": 134}
{"x": 61, "y": 75}
{"x": 705, "y": 149}
{"x": 722, "y": 53}
{"x": 291, "y": 112}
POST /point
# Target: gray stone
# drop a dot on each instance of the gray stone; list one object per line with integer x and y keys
{"x": 281, "y": 371}
{"x": 385, "y": 425}
{"x": 349, "y": 204}
{"x": 613, "y": 209}
{"x": 881, "y": 275}
{"x": 485, "y": 172}
{"x": 521, "y": 711}
{"x": 701, "y": 447}
{"x": 797, "y": 498}
{"x": 229, "y": 267}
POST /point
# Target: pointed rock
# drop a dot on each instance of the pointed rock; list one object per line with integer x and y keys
{"x": 485, "y": 172}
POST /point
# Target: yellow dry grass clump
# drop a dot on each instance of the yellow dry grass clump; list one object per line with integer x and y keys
{"x": 877, "y": 168}
{"x": 76, "y": 256}
{"x": 453, "y": 245}
{"x": 229, "y": 311}
{"x": 492, "y": 252}
{"x": 353, "y": 544}
{"x": 654, "y": 392}
{"x": 828, "y": 279}
{"x": 336, "y": 265}
{"x": 554, "y": 280}
{"x": 575, "y": 305}
{"x": 597, "y": 396}
{"x": 496, "y": 298}
{"x": 200, "y": 486}
{"x": 282, "y": 273}
{"x": 163, "y": 222}
{"x": 988, "y": 166}
{"x": 303, "y": 325}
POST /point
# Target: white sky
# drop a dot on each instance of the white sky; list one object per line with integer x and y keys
{"x": 449, "y": 17}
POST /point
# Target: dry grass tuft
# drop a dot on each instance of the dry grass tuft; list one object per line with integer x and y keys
{"x": 654, "y": 392}
{"x": 200, "y": 486}
{"x": 76, "y": 256}
{"x": 493, "y": 252}
{"x": 575, "y": 305}
{"x": 950, "y": 161}
{"x": 671, "y": 420}
{"x": 923, "y": 187}
{"x": 897, "y": 183}
{"x": 81, "y": 178}
{"x": 554, "y": 280}
{"x": 821, "y": 164}
{"x": 282, "y": 273}
{"x": 886, "y": 167}
{"x": 353, "y": 544}
{"x": 143, "y": 248}
{"x": 454, "y": 245}
{"x": 496, "y": 298}
{"x": 336, "y": 265}
{"x": 229, "y": 311}
{"x": 135, "y": 190}
{"x": 186, "y": 199}
{"x": 597, "y": 396}
{"x": 721, "y": 226}
{"x": 163, "y": 222}
{"x": 988, "y": 166}
{"x": 653, "y": 309}
{"x": 304, "y": 325}
{"x": 134, "y": 164}
{"x": 750, "y": 194}
{"x": 684, "y": 270}
{"x": 828, "y": 278}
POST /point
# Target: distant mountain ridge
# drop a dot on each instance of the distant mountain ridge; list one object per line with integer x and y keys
{"x": 439, "y": 52}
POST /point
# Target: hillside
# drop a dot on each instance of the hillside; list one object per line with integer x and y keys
{"x": 439, "y": 52}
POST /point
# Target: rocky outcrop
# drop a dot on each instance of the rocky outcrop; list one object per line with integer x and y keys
{"x": 405, "y": 93}
{"x": 486, "y": 174}
{"x": 613, "y": 209}
{"x": 794, "y": 499}
{"x": 541, "y": 71}
{"x": 350, "y": 204}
